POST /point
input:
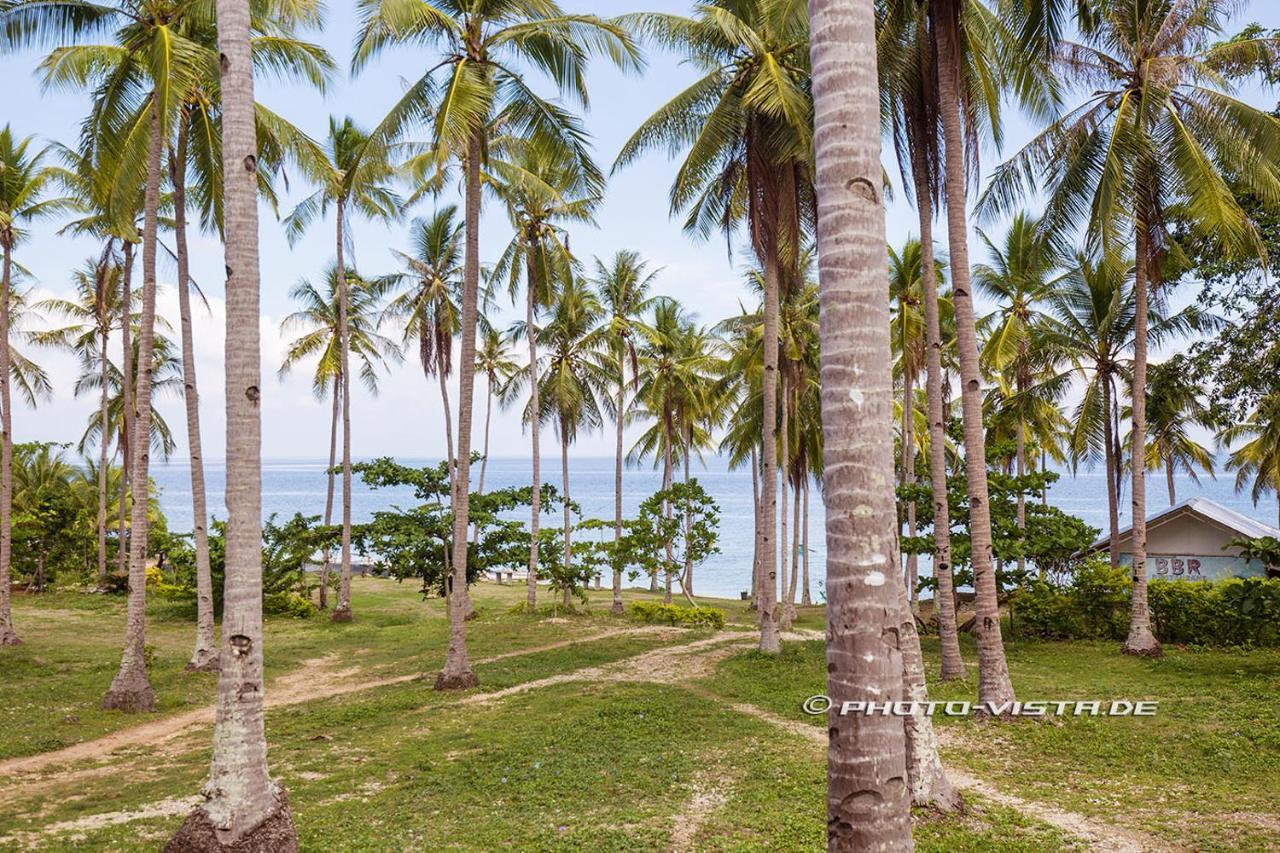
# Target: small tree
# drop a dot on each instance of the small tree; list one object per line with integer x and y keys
{"x": 688, "y": 534}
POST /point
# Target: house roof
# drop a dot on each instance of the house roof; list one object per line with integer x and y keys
{"x": 1208, "y": 510}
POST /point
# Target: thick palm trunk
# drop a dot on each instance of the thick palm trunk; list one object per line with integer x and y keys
{"x": 451, "y": 460}
{"x": 755, "y": 543}
{"x": 535, "y": 498}
{"x": 126, "y": 417}
{"x": 994, "y": 685}
{"x": 784, "y": 606}
{"x": 805, "y": 599}
{"x": 130, "y": 689}
{"x": 564, "y": 482}
{"x": 342, "y": 613}
{"x": 484, "y": 458}
{"x": 794, "y": 580}
{"x": 205, "y": 655}
{"x": 909, "y": 475}
{"x": 1168, "y": 476}
{"x": 1140, "y": 641}
{"x": 667, "y": 477}
{"x": 243, "y": 809}
{"x": 1020, "y": 461}
{"x": 868, "y": 797}
{"x": 8, "y": 636}
{"x": 617, "y": 482}
{"x": 328, "y": 495}
{"x": 768, "y": 526}
{"x": 686, "y": 581}
{"x": 1113, "y": 496}
{"x": 104, "y": 333}
{"x": 457, "y": 668}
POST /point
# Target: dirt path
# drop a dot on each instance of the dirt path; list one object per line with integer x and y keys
{"x": 314, "y": 679}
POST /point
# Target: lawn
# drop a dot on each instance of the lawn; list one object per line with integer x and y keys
{"x": 604, "y": 743}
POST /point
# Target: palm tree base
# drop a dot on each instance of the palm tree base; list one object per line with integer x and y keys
{"x": 1142, "y": 644}
{"x": 616, "y": 609}
{"x": 456, "y": 680}
{"x": 131, "y": 699}
{"x": 341, "y": 614}
{"x": 9, "y": 637}
{"x": 958, "y": 675}
{"x": 274, "y": 834}
{"x": 770, "y": 642}
{"x": 203, "y": 660}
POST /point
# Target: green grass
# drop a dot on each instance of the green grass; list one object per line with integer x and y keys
{"x": 606, "y": 765}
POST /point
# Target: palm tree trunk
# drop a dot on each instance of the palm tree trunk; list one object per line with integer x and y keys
{"x": 687, "y": 579}
{"x": 755, "y": 544}
{"x": 784, "y": 606}
{"x": 868, "y": 798}
{"x": 617, "y": 481}
{"x": 457, "y": 668}
{"x": 1113, "y": 498}
{"x": 564, "y": 481}
{"x": 909, "y": 475}
{"x": 484, "y": 459}
{"x": 1168, "y": 475}
{"x": 794, "y": 580}
{"x": 769, "y": 616}
{"x": 328, "y": 496}
{"x": 667, "y": 477}
{"x": 805, "y": 599}
{"x": 451, "y": 460}
{"x": 535, "y": 498}
{"x": 1140, "y": 641}
{"x": 994, "y": 685}
{"x": 342, "y": 613}
{"x": 204, "y": 656}
{"x": 1020, "y": 457}
{"x": 130, "y": 689}
{"x": 104, "y": 333}
{"x": 243, "y": 807}
{"x": 8, "y": 636}
{"x": 125, "y": 441}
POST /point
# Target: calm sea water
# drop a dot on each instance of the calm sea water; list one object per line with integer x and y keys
{"x": 298, "y": 485}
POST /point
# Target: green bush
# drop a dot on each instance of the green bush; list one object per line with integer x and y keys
{"x": 675, "y": 614}
{"x": 1094, "y": 605}
{"x": 288, "y": 604}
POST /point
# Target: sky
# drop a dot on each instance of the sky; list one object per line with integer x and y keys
{"x": 405, "y": 418}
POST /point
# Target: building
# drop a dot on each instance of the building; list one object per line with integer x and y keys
{"x": 1191, "y": 541}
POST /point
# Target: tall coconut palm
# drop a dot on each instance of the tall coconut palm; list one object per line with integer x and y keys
{"x": 243, "y": 806}
{"x": 573, "y": 378}
{"x": 318, "y": 321}
{"x": 1019, "y": 277}
{"x": 26, "y": 182}
{"x": 1255, "y": 450}
{"x": 868, "y": 796}
{"x": 495, "y": 364}
{"x": 745, "y": 128}
{"x": 545, "y": 188}
{"x": 623, "y": 285}
{"x": 482, "y": 43}
{"x": 1174, "y": 407}
{"x": 1158, "y": 127}
{"x": 353, "y": 175}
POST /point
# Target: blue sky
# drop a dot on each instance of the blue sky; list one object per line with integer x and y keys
{"x": 405, "y": 418}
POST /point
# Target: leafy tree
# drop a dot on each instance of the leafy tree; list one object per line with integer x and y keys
{"x": 676, "y": 526}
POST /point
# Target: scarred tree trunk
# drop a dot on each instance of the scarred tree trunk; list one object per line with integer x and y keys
{"x": 768, "y": 600}
{"x": 994, "y": 685}
{"x": 616, "y": 608}
{"x": 1113, "y": 499}
{"x": 328, "y": 496}
{"x": 784, "y": 605}
{"x": 130, "y": 689}
{"x": 204, "y": 656}
{"x": 909, "y": 475}
{"x": 535, "y": 499}
{"x": 126, "y": 417}
{"x": 244, "y": 809}
{"x": 342, "y": 613}
{"x": 868, "y": 798}
{"x": 8, "y": 636}
{"x": 1140, "y": 640}
{"x": 952, "y": 662}
{"x": 457, "y": 668}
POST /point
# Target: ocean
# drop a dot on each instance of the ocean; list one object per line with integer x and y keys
{"x": 298, "y": 485}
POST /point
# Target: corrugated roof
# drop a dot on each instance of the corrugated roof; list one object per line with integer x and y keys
{"x": 1215, "y": 512}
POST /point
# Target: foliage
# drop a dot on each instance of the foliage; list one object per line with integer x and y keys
{"x": 1264, "y": 549}
{"x": 677, "y": 614}
{"x": 682, "y": 520}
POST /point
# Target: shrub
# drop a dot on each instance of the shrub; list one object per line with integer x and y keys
{"x": 288, "y": 604}
{"x": 675, "y": 614}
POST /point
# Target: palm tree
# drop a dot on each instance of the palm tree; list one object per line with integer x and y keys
{"x": 573, "y": 377}
{"x": 494, "y": 362}
{"x": 1258, "y": 457}
{"x": 318, "y": 319}
{"x": 481, "y": 43}
{"x": 25, "y": 182}
{"x": 868, "y": 795}
{"x": 544, "y": 189}
{"x": 623, "y": 286}
{"x": 697, "y": 413}
{"x": 1158, "y": 129}
{"x": 1019, "y": 278}
{"x": 243, "y": 806}
{"x": 352, "y": 174}
{"x": 746, "y": 127}
{"x": 1174, "y": 406}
